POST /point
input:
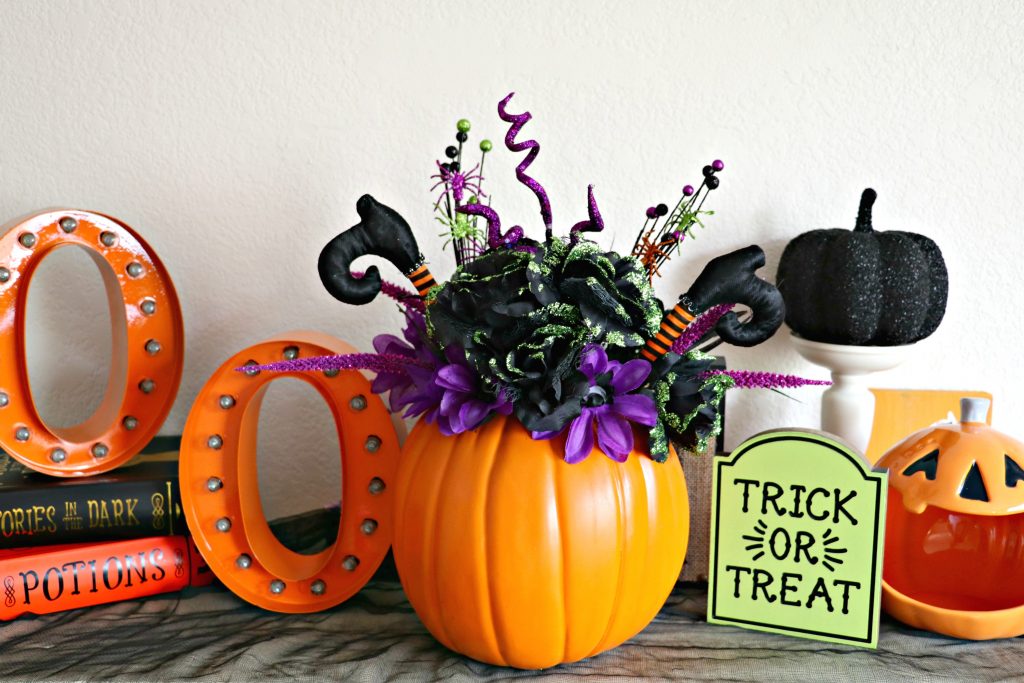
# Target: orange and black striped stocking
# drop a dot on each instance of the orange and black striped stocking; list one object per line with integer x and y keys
{"x": 672, "y": 326}
{"x": 422, "y": 280}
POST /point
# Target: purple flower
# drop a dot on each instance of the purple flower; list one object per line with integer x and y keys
{"x": 463, "y": 406}
{"x": 609, "y": 404}
{"x": 441, "y": 389}
{"x": 404, "y": 386}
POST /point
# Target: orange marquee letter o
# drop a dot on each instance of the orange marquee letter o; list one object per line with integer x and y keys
{"x": 220, "y": 489}
{"x": 141, "y": 297}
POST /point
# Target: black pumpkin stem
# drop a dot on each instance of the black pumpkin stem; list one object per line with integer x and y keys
{"x": 867, "y": 199}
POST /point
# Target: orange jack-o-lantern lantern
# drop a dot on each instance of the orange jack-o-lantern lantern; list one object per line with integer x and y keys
{"x": 514, "y": 557}
{"x": 954, "y": 546}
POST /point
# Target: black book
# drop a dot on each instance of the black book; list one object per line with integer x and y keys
{"x": 138, "y": 500}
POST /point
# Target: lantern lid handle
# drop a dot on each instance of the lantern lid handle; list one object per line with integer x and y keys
{"x": 974, "y": 409}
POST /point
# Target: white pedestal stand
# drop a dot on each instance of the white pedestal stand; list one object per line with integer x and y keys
{"x": 848, "y": 406}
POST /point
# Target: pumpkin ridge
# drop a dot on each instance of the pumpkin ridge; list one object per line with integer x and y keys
{"x": 415, "y": 444}
{"x": 854, "y": 275}
{"x": 795, "y": 280}
{"x": 938, "y": 289}
{"x": 642, "y": 482}
{"x": 813, "y": 326}
{"x": 465, "y": 453}
{"x": 653, "y": 489}
{"x": 620, "y": 515}
{"x": 680, "y": 495}
{"x": 906, "y": 276}
{"x": 434, "y": 594}
{"x": 668, "y": 486}
{"x": 406, "y": 479}
{"x": 485, "y": 577}
{"x": 499, "y": 637}
{"x": 557, "y": 480}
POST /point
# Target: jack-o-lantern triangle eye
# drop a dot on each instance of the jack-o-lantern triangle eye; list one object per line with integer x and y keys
{"x": 1014, "y": 472}
{"x": 974, "y": 486}
{"x": 929, "y": 464}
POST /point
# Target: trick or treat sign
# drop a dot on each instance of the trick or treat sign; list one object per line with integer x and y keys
{"x": 796, "y": 539}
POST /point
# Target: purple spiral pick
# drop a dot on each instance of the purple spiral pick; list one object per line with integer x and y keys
{"x": 518, "y": 121}
{"x": 594, "y": 224}
{"x": 494, "y": 237}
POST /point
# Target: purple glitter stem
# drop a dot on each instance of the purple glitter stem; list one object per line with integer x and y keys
{"x": 593, "y": 224}
{"x": 696, "y": 330}
{"x": 391, "y": 363}
{"x": 518, "y": 121}
{"x": 397, "y": 292}
{"x": 494, "y": 237}
{"x": 751, "y": 379}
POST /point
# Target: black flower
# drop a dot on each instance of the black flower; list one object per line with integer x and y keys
{"x": 689, "y": 400}
{"x": 611, "y": 292}
{"x": 524, "y": 316}
{"x": 489, "y": 293}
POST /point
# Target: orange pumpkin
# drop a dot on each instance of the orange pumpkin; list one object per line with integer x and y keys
{"x": 511, "y": 556}
{"x": 954, "y": 547}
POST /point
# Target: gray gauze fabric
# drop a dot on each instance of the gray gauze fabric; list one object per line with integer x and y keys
{"x": 208, "y": 634}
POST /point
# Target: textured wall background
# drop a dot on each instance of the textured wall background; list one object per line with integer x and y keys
{"x": 236, "y": 136}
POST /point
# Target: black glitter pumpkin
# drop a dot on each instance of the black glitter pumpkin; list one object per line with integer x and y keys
{"x": 862, "y": 287}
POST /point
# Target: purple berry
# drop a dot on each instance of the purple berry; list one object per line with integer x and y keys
{"x": 717, "y": 164}
{"x": 688, "y": 190}
{"x": 652, "y": 212}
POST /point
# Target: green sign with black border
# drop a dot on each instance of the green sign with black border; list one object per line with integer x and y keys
{"x": 797, "y": 532}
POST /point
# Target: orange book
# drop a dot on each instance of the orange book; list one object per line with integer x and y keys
{"x": 62, "y": 577}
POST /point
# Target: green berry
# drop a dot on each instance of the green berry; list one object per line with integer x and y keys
{"x": 463, "y": 125}
{"x": 485, "y": 146}
{"x": 473, "y": 200}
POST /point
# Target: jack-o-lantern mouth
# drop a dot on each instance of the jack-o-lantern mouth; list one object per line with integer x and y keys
{"x": 953, "y": 560}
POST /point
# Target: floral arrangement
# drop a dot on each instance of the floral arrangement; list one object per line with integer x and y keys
{"x": 568, "y": 337}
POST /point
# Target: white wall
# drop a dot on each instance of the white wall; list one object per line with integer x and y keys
{"x": 236, "y": 136}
